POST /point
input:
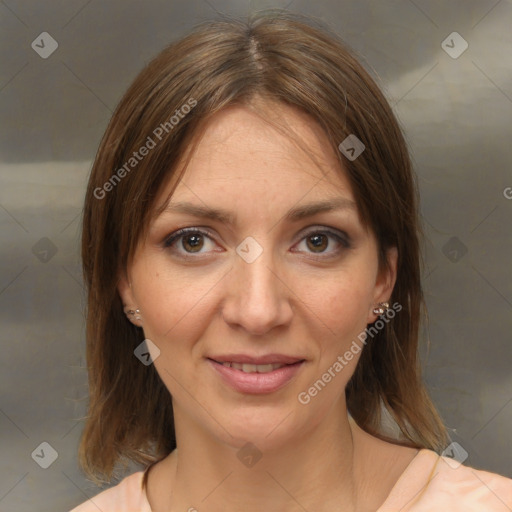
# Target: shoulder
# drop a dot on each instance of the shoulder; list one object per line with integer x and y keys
{"x": 127, "y": 496}
{"x": 432, "y": 482}
{"x": 468, "y": 488}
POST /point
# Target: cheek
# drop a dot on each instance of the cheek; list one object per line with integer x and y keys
{"x": 172, "y": 303}
{"x": 174, "y": 307}
{"x": 341, "y": 305}
{"x": 342, "y": 302}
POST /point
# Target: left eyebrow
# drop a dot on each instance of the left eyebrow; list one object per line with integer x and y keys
{"x": 293, "y": 215}
{"x": 308, "y": 210}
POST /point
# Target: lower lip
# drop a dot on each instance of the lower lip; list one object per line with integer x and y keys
{"x": 257, "y": 382}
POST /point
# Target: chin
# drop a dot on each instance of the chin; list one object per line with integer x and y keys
{"x": 265, "y": 427}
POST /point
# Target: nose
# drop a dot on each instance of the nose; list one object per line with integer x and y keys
{"x": 258, "y": 297}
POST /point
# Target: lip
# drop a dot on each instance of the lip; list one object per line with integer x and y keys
{"x": 257, "y": 383}
{"x": 247, "y": 359}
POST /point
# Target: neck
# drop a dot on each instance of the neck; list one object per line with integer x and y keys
{"x": 312, "y": 471}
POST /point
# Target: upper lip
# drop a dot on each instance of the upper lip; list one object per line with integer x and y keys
{"x": 266, "y": 359}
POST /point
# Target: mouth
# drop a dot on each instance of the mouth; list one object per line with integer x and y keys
{"x": 255, "y": 368}
{"x": 252, "y": 378}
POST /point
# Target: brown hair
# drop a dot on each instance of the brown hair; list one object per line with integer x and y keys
{"x": 296, "y": 61}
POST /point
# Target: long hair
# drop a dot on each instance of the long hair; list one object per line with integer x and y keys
{"x": 285, "y": 58}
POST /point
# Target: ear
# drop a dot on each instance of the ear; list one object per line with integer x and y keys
{"x": 385, "y": 282}
{"x": 124, "y": 288}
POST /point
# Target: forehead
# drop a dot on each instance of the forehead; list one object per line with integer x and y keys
{"x": 267, "y": 153}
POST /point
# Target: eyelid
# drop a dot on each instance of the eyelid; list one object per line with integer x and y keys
{"x": 183, "y": 231}
{"x": 337, "y": 233}
{"x": 341, "y": 237}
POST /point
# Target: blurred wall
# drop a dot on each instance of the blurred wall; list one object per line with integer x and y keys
{"x": 455, "y": 104}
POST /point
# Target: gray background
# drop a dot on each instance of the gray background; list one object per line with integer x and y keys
{"x": 457, "y": 115}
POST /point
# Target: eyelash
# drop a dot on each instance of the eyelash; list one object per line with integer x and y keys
{"x": 343, "y": 240}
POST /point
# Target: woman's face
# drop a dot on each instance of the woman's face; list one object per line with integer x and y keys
{"x": 272, "y": 276}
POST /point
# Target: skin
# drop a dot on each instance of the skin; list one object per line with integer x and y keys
{"x": 297, "y": 298}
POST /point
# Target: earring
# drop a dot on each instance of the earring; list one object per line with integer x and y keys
{"x": 381, "y": 308}
{"x": 135, "y": 314}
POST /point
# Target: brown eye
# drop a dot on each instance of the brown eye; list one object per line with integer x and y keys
{"x": 324, "y": 243}
{"x": 317, "y": 242}
{"x": 194, "y": 242}
{"x": 189, "y": 241}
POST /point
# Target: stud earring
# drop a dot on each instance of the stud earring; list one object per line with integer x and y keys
{"x": 381, "y": 308}
{"x": 134, "y": 313}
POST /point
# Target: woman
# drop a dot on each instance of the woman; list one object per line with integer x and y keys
{"x": 251, "y": 251}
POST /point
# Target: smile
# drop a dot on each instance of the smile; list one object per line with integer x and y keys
{"x": 253, "y": 368}
{"x": 255, "y": 378}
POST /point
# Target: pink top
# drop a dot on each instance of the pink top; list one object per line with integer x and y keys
{"x": 429, "y": 482}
